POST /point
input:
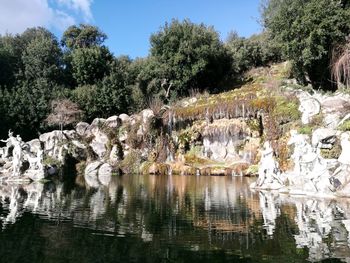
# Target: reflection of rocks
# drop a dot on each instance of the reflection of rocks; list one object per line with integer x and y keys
{"x": 317, "y": 220}
{"x": 270, "y": 211}
{"x": 222, "y": 208}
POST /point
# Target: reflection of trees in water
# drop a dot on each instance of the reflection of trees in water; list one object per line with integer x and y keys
{"x": 195, "y": 213}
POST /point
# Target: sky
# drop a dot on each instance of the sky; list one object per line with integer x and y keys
{"x": 129, "y": 23}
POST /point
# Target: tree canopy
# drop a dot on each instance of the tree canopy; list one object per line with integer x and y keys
{"x": 188, "y": 56}
{"x": 307, "y": 31}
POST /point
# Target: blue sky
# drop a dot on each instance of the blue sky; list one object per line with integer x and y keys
{"x": 129, "y": 24}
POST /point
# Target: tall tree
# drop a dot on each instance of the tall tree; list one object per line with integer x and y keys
{"x": 307, "y": 30}
{"x": 90, "y": 65}
{"x": 83, "y": 36}
{"x": 188, "y": 56}
{"x": 42, "y": 58}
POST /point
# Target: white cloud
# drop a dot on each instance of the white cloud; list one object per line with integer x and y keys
{"x": 83, "y": 6}
{"x": 17, "y": 15}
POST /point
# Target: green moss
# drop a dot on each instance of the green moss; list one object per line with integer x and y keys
{"x": 345, "y": 126}
{"x": 131, "y": 163}
{"x": 48, "y": 160}
{"x": 332, "y": 153}
{"x": 305, "y": 130}
{"x": 194, "y": 160}
{"x": 144, "y": 167}
{"x": 253, "y": 124}
{"x": 253, "y": 169}
{"x": 80, "y": 167}
{"x": 287, "y": 109}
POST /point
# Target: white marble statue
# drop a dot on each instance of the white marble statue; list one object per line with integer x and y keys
{"x": 36, "y": 163}
{"x": 9, "y": 143}
{"x": 17, "y": 156}
{"x": 269, "y": 172}
{"x": 340, "y": 176}
{"x": 303, "y": 155}
{"x": 12, "y": 168}
{"x": 310, "y": 173}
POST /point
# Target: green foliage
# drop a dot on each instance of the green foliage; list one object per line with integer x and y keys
{"x": 307, "y": 31}
{"x": 286, "y": 109}
{"x": 83, "y": 36}
{"x": 186, "y": 56}
{"x": 108, "y": 97}
{"x": 131, "y": 163}
{"x": 345, "y": 126}
{"x": 305, "y": 130}
{"x": 332, "y": 153}
{"x": 90, "y": 65}
{"x": 258, "y": 50}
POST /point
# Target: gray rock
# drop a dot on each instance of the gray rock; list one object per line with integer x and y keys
{"x": 320, "y": 134}
{"x": 91, "y": 173}
{"x": 99, "y": 144}
{"x": 309, "y": 107}
{"x": 113, "y": 122}
{"x": 105, "y": 174}
{"x": 35, "y": 145}
{"x": 146, "y": 115}
{"x": 81, "y": 128}
{"x": 113, "y": 156}
{"x": 124, "y": 118}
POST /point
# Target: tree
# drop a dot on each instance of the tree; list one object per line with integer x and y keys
{"x": 255, "y": 51}
{"x": 83, "y": 36}
{"x": 341, "y": 64}
{"x": 63, "y": 113}
{"x": 90, "y": 65}
{"x": 106, "y": 97}
{"x": 187, "y": 56}
{"x": 307, "y": 31}
{"x": 42, "y": 58}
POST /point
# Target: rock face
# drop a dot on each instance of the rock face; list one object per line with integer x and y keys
{"x": 222, "y": 137}
{"x": 311, "y": 174}
{"x": 105, "y": 174}
{"x": 269, "y": 172}
{"x": 91, "y": 174}
{"x": 309, "y": 107}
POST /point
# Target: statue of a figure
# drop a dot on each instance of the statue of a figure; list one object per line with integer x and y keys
{"x": 303, "y": 155}
{"x": 269, "y": 171}
{"x": 9, "y": 142}
{"x": 340, "y": 175}
{"x": 36, "y": 162}
{"x": 17, "y": 156}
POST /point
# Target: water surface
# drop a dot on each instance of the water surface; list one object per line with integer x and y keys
{"x": 169, "y": 219}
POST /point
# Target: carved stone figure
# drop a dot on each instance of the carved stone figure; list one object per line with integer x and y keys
{"x": 309, "y": 107}
{"x": 17, "y": 156}
{"x": 340, "y": 176}
{"x": 303, "y": 155}
{"x": 9, "y": 143}
{"x": 269, "y": 172}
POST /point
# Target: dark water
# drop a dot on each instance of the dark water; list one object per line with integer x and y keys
{"x": 169, "y": 219}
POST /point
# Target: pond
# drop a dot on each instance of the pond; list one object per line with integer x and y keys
{"x": 169, "y": 219}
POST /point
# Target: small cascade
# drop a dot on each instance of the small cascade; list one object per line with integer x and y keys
{"x": 171, "y": 122}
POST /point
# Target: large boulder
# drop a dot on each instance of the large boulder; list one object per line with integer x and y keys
{"x": 53, "y": 144}
{"x": 105, "y": 174}
{"x": 320, "y": 134}
{"x": 81, "y": 129}
{"x": 334, "y": 109}
{"x": 309, "y": 107}
{"x": 91, "y": 174}
{"x": 99, "y": 144}
{"x": 34, "y": 145}
{"x": 113, "y": 122}
{"x": 124, "y": 118}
